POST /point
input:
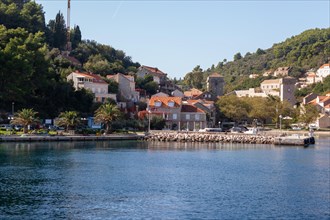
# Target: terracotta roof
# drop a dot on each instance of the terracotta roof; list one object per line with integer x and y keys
{"x": 324, "y": 66}
{"x": 164, "y": 101}
{"x": 192, "y": 92}
{"x": 96, "y": 78}
{"x": 313, "y": 102}
{"x": 153, "y": 70}
{"x": 190, "y": 108}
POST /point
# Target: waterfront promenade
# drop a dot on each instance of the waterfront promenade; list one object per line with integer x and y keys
{"x": 36, "y": 138}
{"x": 276, "y": 137}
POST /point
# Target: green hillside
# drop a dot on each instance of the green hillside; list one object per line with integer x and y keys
{"x": 308, "y": 50}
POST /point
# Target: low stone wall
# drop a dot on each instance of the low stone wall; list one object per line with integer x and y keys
{"x": 211, "y": 137}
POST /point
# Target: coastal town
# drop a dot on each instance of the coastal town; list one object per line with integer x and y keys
{"x": 164, "y": 109}
{"x": 193, "y": 109}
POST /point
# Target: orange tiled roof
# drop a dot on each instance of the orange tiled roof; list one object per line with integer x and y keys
{"x": 164, "y": 101}
{"x": 192, "y": 92}
{"x": 154, "y": 70}
{"x": 313, "y": 102}
{"x": 324, "y": 66}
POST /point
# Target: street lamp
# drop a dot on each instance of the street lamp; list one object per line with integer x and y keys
{"x": 148, "y": 119}
{"x": 280, "y": 122}
{"x": 12, "y": 108}
{"x": 219, "y": 123}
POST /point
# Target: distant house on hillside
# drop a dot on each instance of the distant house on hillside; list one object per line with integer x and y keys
{"x": 282, "y": 71}
{"x": 158, "y": 76}
{"x": 267, "y": 73}
{"x": 324, "y": 70}
{"x": 92, "y": 82}
{"x": 253, "y": 76}
{"x": 312, "y": 78}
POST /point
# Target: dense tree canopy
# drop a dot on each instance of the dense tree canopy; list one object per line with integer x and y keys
{"x": 33, "y": 65}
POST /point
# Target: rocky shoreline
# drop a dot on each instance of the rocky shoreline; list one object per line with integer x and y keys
{"x": 210, "y": 137}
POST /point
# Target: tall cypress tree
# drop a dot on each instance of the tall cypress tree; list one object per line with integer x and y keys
{"x": 57, "y": 32}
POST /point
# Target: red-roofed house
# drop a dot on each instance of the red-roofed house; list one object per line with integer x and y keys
{"x": 91, "y": 82}
{"x": 178, "y": 116}
{"x": 322, "y": 103}
{"x": 167, "y": 107}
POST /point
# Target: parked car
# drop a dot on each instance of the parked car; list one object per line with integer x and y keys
{"x": 6, "y": 127}
{"x": 210, "y": 130}
{"x": 239, "y": 129}
{"x": 313, "y": 126}
{"x": 18, "y": 127}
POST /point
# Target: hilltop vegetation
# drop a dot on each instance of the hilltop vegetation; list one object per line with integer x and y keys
{"x": 308, "y": 50}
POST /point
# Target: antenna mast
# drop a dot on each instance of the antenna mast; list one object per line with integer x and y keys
{"x": 68, "y": 46}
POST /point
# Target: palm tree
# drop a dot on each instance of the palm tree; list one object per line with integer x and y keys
{"x": 107, "y": 113}
{"x": 68, "y": 119}
{"x": 25, "y": 117}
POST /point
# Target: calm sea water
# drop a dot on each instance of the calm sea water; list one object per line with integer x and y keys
{"x": 137, "y": 180}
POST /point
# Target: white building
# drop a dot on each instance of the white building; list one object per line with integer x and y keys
{"x": 91, "y": 82}
{"x": 324, "y": 70}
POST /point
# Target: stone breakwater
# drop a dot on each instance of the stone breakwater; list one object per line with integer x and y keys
{"x": 211, "y": 137}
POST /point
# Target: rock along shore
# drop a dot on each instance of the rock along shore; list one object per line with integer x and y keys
{"x": 210, "y": 137}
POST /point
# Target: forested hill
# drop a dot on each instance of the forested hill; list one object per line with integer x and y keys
{"x": 308, "y": 50}
{"x": 34, "y": 66}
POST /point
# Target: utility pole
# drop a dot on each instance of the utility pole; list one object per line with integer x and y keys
{"x": 68, "y": 43}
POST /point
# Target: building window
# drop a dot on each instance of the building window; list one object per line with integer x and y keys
{"x": 197, "y": 117}
{"x": 187, "y": 116}
{"x": 158, "y": 103}
{"x": 171, "y": 104}
{"x": 175, "y": 116}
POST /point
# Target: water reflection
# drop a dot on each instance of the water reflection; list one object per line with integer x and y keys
{"x": 129, "y": 179}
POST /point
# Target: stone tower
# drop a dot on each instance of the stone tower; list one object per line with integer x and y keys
{"x": 215, "y": 85}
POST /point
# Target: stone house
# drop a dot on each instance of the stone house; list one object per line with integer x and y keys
{"x": 282, "y": 71}
{"x": 158, "y": 76}
{"x": 192, "y": 118}
{"x": 283, "y": 87}
{"x": 126, "y": 87}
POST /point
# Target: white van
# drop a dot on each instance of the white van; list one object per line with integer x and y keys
{"x": 211, "y": 130}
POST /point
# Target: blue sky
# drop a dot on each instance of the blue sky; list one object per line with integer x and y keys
{"x": 176, "y": 36}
